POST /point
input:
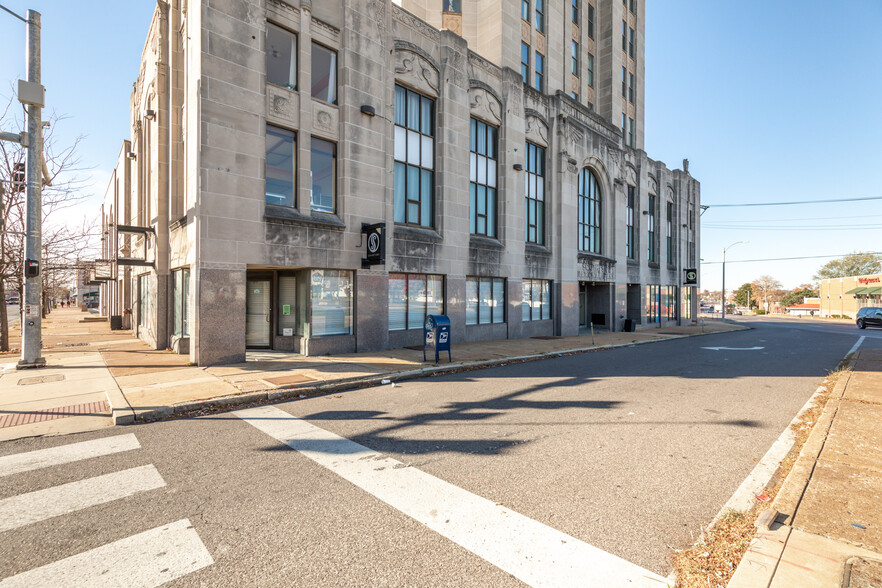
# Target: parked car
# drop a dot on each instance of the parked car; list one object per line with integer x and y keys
{"x": 869, "y": 316}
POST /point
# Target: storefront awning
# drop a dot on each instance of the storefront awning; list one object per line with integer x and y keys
{"x": 873, "y": 291}
{"x": 857, "y": 291}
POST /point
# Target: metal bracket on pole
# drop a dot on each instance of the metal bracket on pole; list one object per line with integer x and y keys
{"x": 20, "y": 138}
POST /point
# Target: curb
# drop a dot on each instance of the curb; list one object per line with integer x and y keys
{"x": 796, "y": 482}
{"x": 292, "y": 391}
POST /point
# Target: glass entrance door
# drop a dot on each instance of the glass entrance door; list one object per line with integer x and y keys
{"x": 257, "y": 314}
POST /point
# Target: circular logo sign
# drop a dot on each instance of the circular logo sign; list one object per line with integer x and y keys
{"x": 373, "y": 243}
{"x": 691, "y": 276}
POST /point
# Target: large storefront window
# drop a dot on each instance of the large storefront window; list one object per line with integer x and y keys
{"x": 330, "y": 302}
{"x": 653, "y": 303}
{"x": 535, "y": 300}
{"x": 181, "y": 295}
{"x": 485, "y": 301}
{"x": 412, "y": 297}
{"x": 670, "y": 303}
{"x": 687, "y": 303}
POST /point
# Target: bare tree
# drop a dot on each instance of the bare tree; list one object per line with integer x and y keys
{"x": 764, "y": 287}
{"x": 62, "y": 240}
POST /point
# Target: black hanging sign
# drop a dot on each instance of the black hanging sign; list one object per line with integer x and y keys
{"x": 376, "y": 244}
{"x": 691, "y": 276}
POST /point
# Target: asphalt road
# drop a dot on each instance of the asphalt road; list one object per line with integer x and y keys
{"x": 630, "y": 450}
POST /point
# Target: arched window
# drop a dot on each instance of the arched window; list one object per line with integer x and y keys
{"x": 589, "y": 212}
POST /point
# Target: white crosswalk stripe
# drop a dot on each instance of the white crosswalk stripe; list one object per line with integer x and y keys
{"x": 527, "y": 549}
{"x": 147, "y": 559}
{"x": 43, "y": 458}
{"x": 144, "y": 560}
{"x": 33, "y": 507}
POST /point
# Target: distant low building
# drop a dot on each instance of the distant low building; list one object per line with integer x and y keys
{"x": 809, "y": 307}
{"x": 845, "y": 296}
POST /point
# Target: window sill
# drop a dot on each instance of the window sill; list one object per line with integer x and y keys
{"x": 288, "y": 88}
{"x": 285, "y": 215}
{"x": 483, "y": 241}
{"x": 583, "y": 255}
{"x": 653, "y": 264}
{"x": 417, "y": 233}
{"x": 536, "y": 248}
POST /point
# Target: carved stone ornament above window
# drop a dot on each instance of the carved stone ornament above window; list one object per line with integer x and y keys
{"x": 416, "y": 71}
{"x": 485, "y": 106}
{"x": 630, "y": 174}
{"x": 537, "y": 131}
{"x": 653, "y": 185}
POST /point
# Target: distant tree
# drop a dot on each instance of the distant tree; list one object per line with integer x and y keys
{"x": 855, "y": 264}
{"x": 765, "y": 287}
{"x": 797, "y": 296}
{"x": 744, "y": 296}
{"x": 62, "y": 240}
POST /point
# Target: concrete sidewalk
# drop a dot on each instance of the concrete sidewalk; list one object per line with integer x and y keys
{"x": 88, "y": 363}
{"x": 824, "y": 528}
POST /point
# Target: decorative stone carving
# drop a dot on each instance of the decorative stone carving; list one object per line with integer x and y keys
{"x": 537, "y": 131}
{"x": 324, "y": 27}
{"x": 416, "y": 71}
{"x": 284, "y": 7}
{"x": 377, "y": 11}
{"x": 410, "y": 21}
{"x": 324, "y": 120}
{"x": 614, "y": 155}
{"x": 596, "y": 270}
{"x": 282, "y": 106}
{"x": 476, "y": 60}
{"x": 653, "y": 185}
{"x": 630, "y": 174}
{"x": 485, "y": 106}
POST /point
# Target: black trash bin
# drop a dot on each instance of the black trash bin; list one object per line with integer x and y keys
{"x": 629, "y": 326}
{"x": 116, "y": 322}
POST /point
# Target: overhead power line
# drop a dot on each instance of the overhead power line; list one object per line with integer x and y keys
{"x": 794, "y": 202}
{"x": 795, "y": 227}
{"x": 787, "y": 258}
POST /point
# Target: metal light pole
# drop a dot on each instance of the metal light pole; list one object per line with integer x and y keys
{"x": 724, "y": 275}
{"x": 31, "y": 344}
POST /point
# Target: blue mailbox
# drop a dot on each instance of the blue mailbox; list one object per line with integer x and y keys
{"x": 436, "y": 335}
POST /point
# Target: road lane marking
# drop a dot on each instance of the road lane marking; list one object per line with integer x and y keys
{"x": 529, "y": 550}
{"x": 145, "y": 560}
{"x": 856, "y": 345}
{"x": 32, "y": 507}
{"x": 734, "y": 348}
{"x": 43, "y": 458}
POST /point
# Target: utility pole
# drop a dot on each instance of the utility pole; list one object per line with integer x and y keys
{"x": 724, "y": 276}
{"x": 31, "y": 344}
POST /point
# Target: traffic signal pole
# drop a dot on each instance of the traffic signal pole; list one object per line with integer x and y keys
{"x": 31, "y": 324}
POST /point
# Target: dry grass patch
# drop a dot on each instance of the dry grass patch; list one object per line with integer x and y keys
{"x": 711, "y": 561}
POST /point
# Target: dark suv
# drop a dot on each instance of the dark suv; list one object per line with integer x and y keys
{"x": 870, "y": 316}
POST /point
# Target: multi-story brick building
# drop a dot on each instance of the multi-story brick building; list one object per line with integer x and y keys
{"x": 495, "y": 147}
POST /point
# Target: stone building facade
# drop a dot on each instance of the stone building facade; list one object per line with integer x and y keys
{"x": 494, "y": 147}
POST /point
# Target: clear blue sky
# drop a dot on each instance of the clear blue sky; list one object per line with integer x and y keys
{"x": 769, "y": 101}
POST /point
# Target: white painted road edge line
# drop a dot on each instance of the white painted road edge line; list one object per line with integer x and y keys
{"x": 32, "y": 507}
{"x": 145, "y": 560}
{"x": 43, "y": 458}
{"x": 531, "y": 551}
{"x": 745, "y": 496}
{"x": 856, "y": 345}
